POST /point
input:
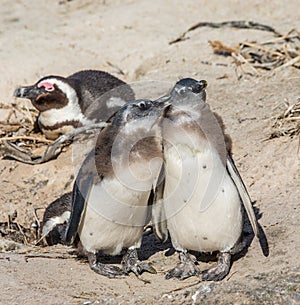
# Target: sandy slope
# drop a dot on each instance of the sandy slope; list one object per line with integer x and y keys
{"x": 44, "y": 37}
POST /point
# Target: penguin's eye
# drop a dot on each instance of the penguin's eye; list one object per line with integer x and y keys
{"x": 181, "y": 91}
{"x": 143, "y": 105}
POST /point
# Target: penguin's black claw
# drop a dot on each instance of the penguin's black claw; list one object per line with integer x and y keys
{"x": 131, "y": 263}
{"x": 186, "y": 268}
{"x": 220, "y": 271}
{"x": 109, "y": 271}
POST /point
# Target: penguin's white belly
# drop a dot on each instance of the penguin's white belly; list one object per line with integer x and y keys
{"x": 99, "y": 234}
{"x": 202, "y": 204}
{"x": 116, "y": 213}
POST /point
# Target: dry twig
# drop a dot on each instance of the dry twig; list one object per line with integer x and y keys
{"x": 288, "y": 64}
{"x": 282, "y": 52}
{"x": 14, "y": 138}
{"x": 183, "y": 287}
{"x": 27, "y": 256}
{"x": 118, "y": 69}
{"x": 24, "y": 236}
{"x": 287, "y": 123}
{"x": 52, "y": 151}
{"x": 241, "y": 60}
{"x": 242, "y": 24}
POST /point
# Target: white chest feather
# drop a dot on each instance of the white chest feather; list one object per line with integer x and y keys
{"x": 115, "y": 215}
{"x": 71, "y": 112}
{"x": 202, "y": 204}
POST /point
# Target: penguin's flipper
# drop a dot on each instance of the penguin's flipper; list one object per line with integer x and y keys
{"x": 237, "y": 179}
{"x": 158, "y": 217}
{"x": 81, "y": 190}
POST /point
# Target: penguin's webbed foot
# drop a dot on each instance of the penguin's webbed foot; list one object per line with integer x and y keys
{"x": 220, "y": 271}
{"x": 186, "y": 268}
{"x": 131, "y": 263}
{"x": 107, "y": 270}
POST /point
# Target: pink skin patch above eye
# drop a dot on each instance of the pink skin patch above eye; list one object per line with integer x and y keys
{"x": 48, "y": 86}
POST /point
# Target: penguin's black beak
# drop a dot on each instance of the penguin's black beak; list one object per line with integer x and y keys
{"x": 162, "y": 107}
{"x": 199, "y": 86}
{"x": 29, "y": 92}
{"x": 167, "y": 107}
{"x": 164, "y": 99}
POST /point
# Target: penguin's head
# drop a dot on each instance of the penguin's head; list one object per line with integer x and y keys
{"x": 139, "y": 109}
{"x": 51, "y": 92}
{"x": 189, "y": 87}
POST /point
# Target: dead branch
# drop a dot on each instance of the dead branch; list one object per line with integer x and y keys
{"x": 276, "y": 57}
{"x": 14, "y": 138}
{"x": 241, "y": 60}
{"x": 118, "y": 69}
{"x": 281, "y": 52}
{"x": 28, "y": 256}
{"x": 287, "y": 64}
{"x": 25, "y": 241}
{"x": 11, "y": 150}
{"x": 286, "y": 37}
{"x": 183, "y": 287}
{"x": 221, "y": 49}
{"x": 258, "y": 47}
{"x": 287, "y": 123}
{"x": 243, "y": 24}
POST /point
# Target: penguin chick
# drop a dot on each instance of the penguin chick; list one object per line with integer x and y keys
{"x": 113, "y": 187}
{"x": 55, "y": 219}
{"x": 82, "y": 98}
{"x": 203, "y": 190}
{"x": 188, "y": 86}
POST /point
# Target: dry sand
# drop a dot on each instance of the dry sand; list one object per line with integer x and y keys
{"x": 39, "y": 38}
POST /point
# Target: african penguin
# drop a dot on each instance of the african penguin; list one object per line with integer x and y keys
{"x": 82, "y": 98}
{"x": 203, "y": 191}
{"x": 55, "y": 219}
{"x": 110, "y": 201}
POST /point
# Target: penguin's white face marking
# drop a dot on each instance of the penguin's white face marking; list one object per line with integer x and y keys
{"x": 53, "y": 221}
{"x": 70, "y": 112}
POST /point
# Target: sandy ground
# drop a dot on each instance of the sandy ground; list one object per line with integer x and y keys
{"x": 39, "y": 38}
